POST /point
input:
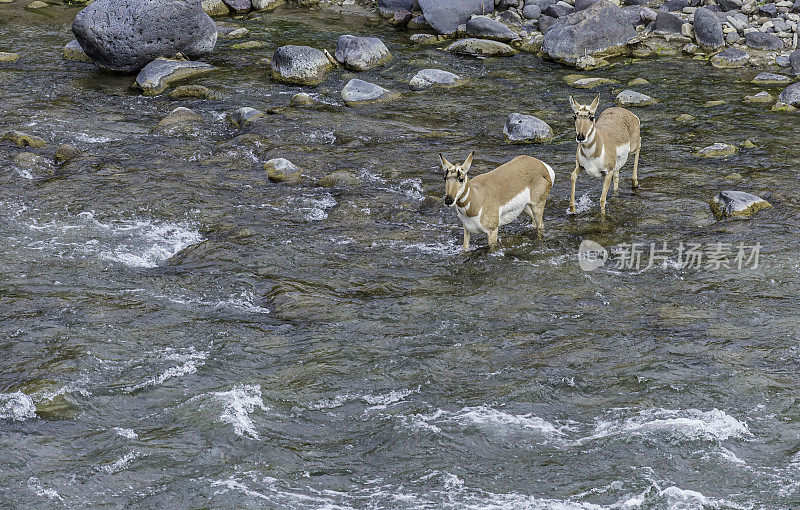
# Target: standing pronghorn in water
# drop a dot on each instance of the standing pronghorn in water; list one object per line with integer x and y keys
{"x": 604, "y": 144}
{"x": 495, "y": 198}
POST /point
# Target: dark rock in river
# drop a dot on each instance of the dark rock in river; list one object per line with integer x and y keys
{"x": 736, "y": 204}
{"x": 481, "y": 48}
{"x": 301, "y": 65}
{"x": 125, "y": 35}
{"x": 730, "y": 5}
{"x": 396, "y": 5}
{"x": 487, "y": 28}
{"x": 73, "y": 51}
{"x": 730, "y": 58}
{"x": 446, "y": 15}
{"x": 244, "y": 116}
{"x": 546, "y": 23}
{"x": 603, "y": 27}
{"x": 526, "y": 129}
{"x": 763, "y": 41}
{"x": 768, "y": 10}
{"x": 533, "y": 11}
{"x": 282, "y": 170}
{"x": 361, "y": 53}
{"x": 66, "y": 152}
{"x": 791, "y": 95}
{"x": 23, "y": 139}
{"x": 667, "y": 23}
{"x": 708, "y": 30}
{"x": 239, "y": 6}
{"x": 581, "y": 5}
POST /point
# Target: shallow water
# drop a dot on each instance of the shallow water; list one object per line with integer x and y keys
{"x": 176, "y": 331}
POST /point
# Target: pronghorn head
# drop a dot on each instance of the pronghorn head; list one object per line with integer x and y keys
{"x": 584, "y": 119}
{"x": 455, "y": 178}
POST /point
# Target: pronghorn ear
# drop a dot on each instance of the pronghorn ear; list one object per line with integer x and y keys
{"x": 445, "y": 164}
{"x": 575, "y": 106}
{"x": 595, "y": 104}
{"x": 468, "y": 162}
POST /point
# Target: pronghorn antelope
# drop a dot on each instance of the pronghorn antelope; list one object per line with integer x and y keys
{"x": 604, "y": 144}
{"x": 495, "y": 198}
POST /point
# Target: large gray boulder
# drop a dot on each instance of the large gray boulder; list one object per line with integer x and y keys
{"x": 488, "y": 28}
{"x": 794, "y": 61}
{"x": 763, "y": 41}
{"x": 125, "y": 35}
{"x": 602, "y": 28}
{"x": 667, "y": 23}
{"x": 446, "y": 15}
{"x": 521, "y": 128}
{"x": 791, "y": 95}
{"x": 361, "y": 53}
{"x": 300, "y": 65}
{"x": 708, "y": 30}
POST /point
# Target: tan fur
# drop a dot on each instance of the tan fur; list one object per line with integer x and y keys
{"x": 485, "y": 194}
{"x": 614, "y": 128}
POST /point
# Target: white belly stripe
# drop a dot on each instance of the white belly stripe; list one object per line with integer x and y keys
{"x": 622, "y": 155}
{"x": 513, "y": 207}
{"x": 473, "y": 224}
{"x": 593, "y": 166}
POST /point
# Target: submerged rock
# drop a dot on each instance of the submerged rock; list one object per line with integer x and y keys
{"x": 193, "y": 91}
{"x": 34, "y": 166}
{"x": 159, "y": 74}
{"x": 761, "y": 97}
{"x": 361, "y": 53}
{"x": 125, "y": 35}
{"x": 23, "y": 139}
{"x": 266, "y": 5}
{"x": 736, "y": 204}
{"x": 8, "y": 57}
{"x": 486, "y": 28}
{"x": 360, "y": 91}
{"x": 602, "y": 28}
{"x": 632, "y": 98}
{"x": 282, "y": 170}
{"x": 215, "y": 8}
{"x": 730, "y": 58}
{"x": 521, "y": 128}
{"x": 580, "y": 81}
{"x": 427, "y": 78}
{"x": 248, "y": 45}
{"x": 244, "y": 115}
{"x": 301, "y": 99}
{"x": 179, "y": 119}
{"x": 791, "y": 95}
{"x": 66, "y": 152}
{"x": 771, "y": 79}
{"x": 73, "y": 51}
{"x": 718, "y": 150}
{"x": 300, "y": 65}
{"x": 239, "y": 6}
{"x": 481, "y": 48}
{"x": 338, "y": 179}
{"x": 445, "y": 16}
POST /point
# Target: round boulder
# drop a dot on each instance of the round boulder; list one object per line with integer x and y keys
{"x": 791, "y": 95}
{"x": 484, "y": 27}
{"x": 708, "y": 30}
{"x": 429, "y": 77}
{"x": 361, "y": 53}
{"x": 633, "y": 98}
{"x": 521, "y": 128}
{"x": 730, "y": 58}
{"x": 125, "y": 35}
{"x": 300, "y": 65}
{"x": 445, "y": 16}
{"x": 736, "y": 204}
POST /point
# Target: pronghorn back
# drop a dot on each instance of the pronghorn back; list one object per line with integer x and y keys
{"x": 505, "y": 181}
{"x": 619, "y": 126}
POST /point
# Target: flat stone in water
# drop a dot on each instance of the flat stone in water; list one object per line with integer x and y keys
{"x": 484, "y": 27}
{"x": 156, "y": 76}
{"x": 248, "y": 45}
{"x": 632, "y": 98}
{"x": 590, "y": 83}
{"x": 8, "y": 57}
{"x": 179, "y": 118}
{"x": 37, "y": 5}
{"x": 791, "y": 95}
{"x": 763, "y": 41}
{"x": 761, "y": 97}
{"x": 521, "y": 128}
{"x": 736, "y": 204}
{"x": 730, "y": 58}
{"x": 338, "y": 179}
{"x": 771, "y": 79}
{"x": 714, "y": 103}
{"x": 429, "y": 77}
{"x": 195, "y": 91}
{"x": 282, "y": 170}
{"x": 244, "y": 115}
{"x": 481, "y": 48}
{"x": 360, "y": 91}
{"x": 718, "y": 150}
{"x": 23, "y": 139}
{"x": 301, "y": 99}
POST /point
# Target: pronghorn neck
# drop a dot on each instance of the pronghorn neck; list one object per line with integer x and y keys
{"x": 593, "y": 145}
{"x": 469, "y": 200}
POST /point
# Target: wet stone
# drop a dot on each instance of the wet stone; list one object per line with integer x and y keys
{"x": 8, "y": 57}
{"x": 66, "y": 152}
{"x": 300, "y": 65}
{"x": 360, "y": 91}
{"x": 73, "y": 51}
{"x": 587, "y": 82}
{"x": 481, "y": 48}
{"x": 244, "y": 116}
{"x": 632, "y": 98}
{"x": 736, "y": 204}
{"x": 34, "y": 165}
{"x": 193, "y": 91}
{"x": 338, "y": 179}
{"x": 718, "y": 150}
{"x": 156, "y": 76}
{"x": 301, "y": 99}
{"x": 361, "y": 53}
{"x": 771, "y": 79}
{"x": 427, "y": 78}
{"x": 521, "y": 128}
{"x": 23, "y": 139}
{"x": 282, "y": 170}
{"x": 248, "y": 45}
{"x": 761, "y": 97}
{"x": 730, "y": 58}
{"x": 180, "y": 119}
{"x": 791, "y": 95}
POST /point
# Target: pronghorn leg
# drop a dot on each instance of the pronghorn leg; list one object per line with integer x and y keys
{"x": 529, "y": 211}
{"x": 606, "y": 185}
{"x": 466, "y": 239}
{"x": 538, "y": 212}
{"x": 616, "y": 182}
{"x": 493, "y": 237}
{"x": 574, "y": 177}
{"x": 635, "y": 179}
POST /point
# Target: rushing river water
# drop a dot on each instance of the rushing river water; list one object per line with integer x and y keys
{"x": 178, "y": 332}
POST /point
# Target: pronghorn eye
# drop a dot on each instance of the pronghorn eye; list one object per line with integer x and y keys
{"x": 460, "y": 178}
{"x": 591, "y": 117}
{"x": 575, "y": 116}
